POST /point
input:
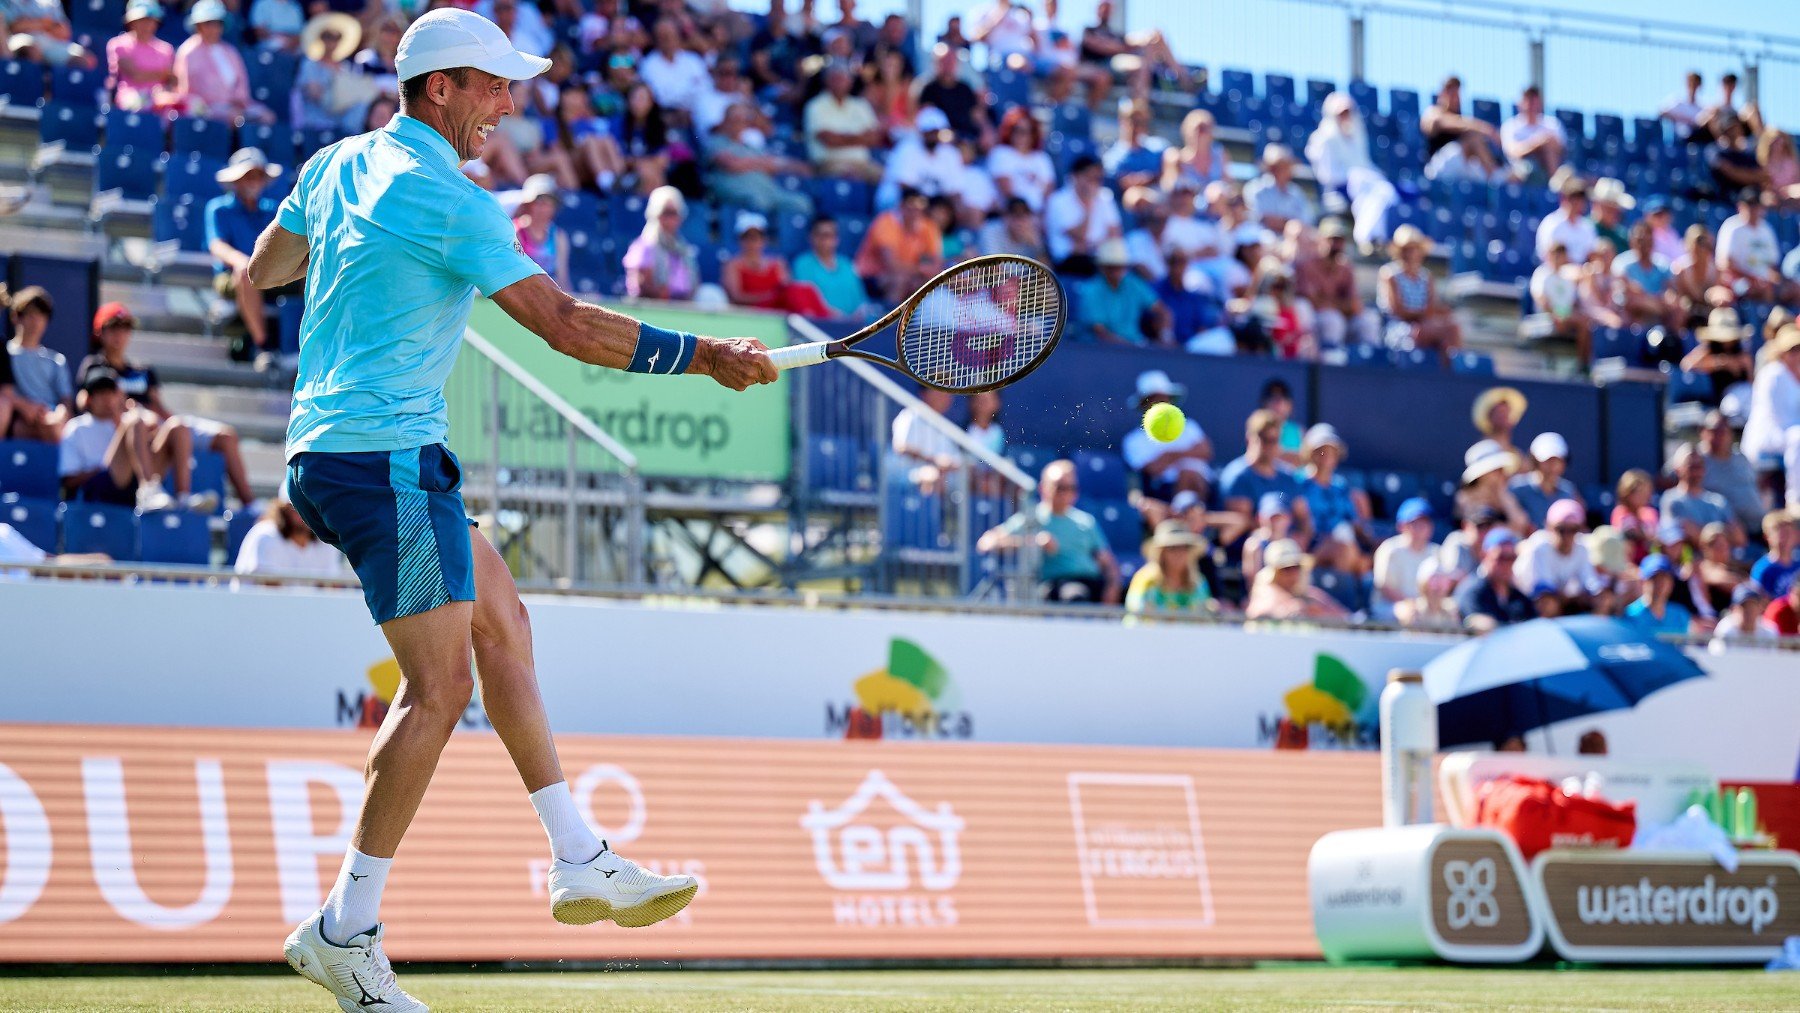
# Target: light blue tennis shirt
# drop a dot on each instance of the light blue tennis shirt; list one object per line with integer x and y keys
{"x": 400, "y": 242}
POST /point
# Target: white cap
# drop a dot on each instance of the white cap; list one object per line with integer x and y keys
{"x": 1113, "y": 253}
{"x": 748, "y": 220}
{"x": 205, "y": 11}
{"x": 932, "y": 119}
{"x": 540, "y": 185}
{"x": 1480, "y": 449}
{"x": 448, "y": 38}
{"x": 1548, "y": 445}
{"x": 1156, "y": 383}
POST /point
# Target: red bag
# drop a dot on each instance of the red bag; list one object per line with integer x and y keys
{"x": 1537, "y": 815}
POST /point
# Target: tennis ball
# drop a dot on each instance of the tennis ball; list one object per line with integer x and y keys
{"x": 1164, "y": 422}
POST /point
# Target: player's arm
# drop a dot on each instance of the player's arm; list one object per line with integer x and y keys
{"x": 602, "y": 337}
{"x": 279, "y": 258}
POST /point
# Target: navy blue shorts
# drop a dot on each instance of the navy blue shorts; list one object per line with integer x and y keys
{"x": 398, "y": 516}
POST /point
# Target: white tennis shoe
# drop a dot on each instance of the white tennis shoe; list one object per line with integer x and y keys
{"x": 358, "y": 975}
{"x": 616, "y": 888}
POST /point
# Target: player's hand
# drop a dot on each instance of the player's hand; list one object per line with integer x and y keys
{"x": 738, "y": 363}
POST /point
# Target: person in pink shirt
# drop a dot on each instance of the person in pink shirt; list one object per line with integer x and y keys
{"x": 210, "y": 77}
{"x": 139, "y": 65}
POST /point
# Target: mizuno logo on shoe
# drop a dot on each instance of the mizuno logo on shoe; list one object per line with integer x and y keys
{"x": 608, "y": 873}
{"x": 355, "y": 878}
{"x": 367, "y": 999}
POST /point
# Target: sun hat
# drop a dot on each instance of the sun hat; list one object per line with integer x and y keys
{"x": 1485, "y": 402}
{"x": 347, "y": 29}
{"x": 1549, "y": 445}
{"x": 1156, "y": 383}
{"x": 137, "y": 10}
{"x": 245, "y": 161}
{"x": 1171, "y": 534}
{"x": 1608, "y": 190}
{"x": 1113, "y": 253}
{"x": 205, "y": 11}
{"x": 1283, "y": 553}
{"x": 1409, "y": 235}
{"x": 749, "y": 221}
{"x": 1722, "y": 324}
{"x": 1491, "y": 463}
{"x": 1564, "y": 511}
{"x": 450, "y": 37}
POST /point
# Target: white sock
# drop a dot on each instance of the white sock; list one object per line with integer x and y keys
{"x": 571, "y": 839}
{"x": 350, "y": 908}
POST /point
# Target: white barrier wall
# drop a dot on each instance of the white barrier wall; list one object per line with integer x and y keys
{"x": 106, "y": 653}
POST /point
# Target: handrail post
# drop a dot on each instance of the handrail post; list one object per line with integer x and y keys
{"x": 1357, "y": 48}
{"x": 635, "y": 533}
{"x": 493, "y": 372}
{"x": 1535, "y": 54}
{"x": 571, "y": 512}
{"x": 965, "y": 517}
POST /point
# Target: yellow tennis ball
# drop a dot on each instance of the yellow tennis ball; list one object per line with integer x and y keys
{"x": 1164, "y": 422}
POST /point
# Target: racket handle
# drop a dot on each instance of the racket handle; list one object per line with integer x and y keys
{"x": 809, "y": 354}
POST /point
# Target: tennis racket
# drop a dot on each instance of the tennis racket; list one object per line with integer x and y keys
{"x": 978, "y": 326}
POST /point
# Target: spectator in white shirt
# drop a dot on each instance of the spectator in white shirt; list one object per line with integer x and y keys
{"x": 1773, "y": 427}
{"x": 676, "y": 76}
{"x": 1683, "y": 108}
{"x": 1081, "y": 216}
{"x": 841, "y": 128}
{"x": 1749, "y": 255}
{"x": 1467, "y": 157}
{"x": 1743, "y": 621}
{"x": 1338, "y": 151}
{"x": 1165, "y": 469}
{"x": 929, "y": 161}
{"x": 1398, "y": 561}
{"x": 929, "y": 453}
{"x": 1533, "y": 142}
{"x": 1569, "y": 224}
{"x": 1556, "y": 291}
{"x": 1020, "y": 166}
{"x": 1273, "y": 198}
{"x": 280, "y": 542}
{"x": 1006, "y": 29}
{"x": 114, "y": 456}
{"x": 1555, "y": 555}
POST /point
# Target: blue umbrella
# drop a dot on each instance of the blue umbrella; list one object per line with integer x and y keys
{"x": 1523, "y": 677}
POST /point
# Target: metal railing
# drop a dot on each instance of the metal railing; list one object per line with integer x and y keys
{"x": 931, "y": 515}
{"x": 562, "y": 499}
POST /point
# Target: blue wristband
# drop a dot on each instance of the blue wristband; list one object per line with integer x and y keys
{"x": 662, "y": 351}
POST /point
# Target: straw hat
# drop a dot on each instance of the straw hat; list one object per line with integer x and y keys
{"x": 1501, "y": 462}
{"x": 347, "y": 28}
{"x": 1612, "y": 191}
{"x": 1606, "y": 550}
{"x": 1171, "y": 534}
{"x": 1283, "y": 553}
{"x": 1786, "y": 340}
{"x": 1484, "y": 404}
{"x": 1409, "y": 235}
{"x": 1722, "y": 324}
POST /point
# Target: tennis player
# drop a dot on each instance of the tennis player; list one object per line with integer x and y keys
{"x": 394, "y": 242}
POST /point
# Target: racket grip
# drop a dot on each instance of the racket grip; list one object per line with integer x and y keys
{"x": 809, "y": 354}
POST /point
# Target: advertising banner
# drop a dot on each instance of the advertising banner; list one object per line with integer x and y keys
{"x": 214, "y": 656}
{"x": 686, "y": 426}
{"x": 157, "y": 844}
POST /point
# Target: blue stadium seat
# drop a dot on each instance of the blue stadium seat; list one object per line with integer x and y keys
{"x": 625, "y": 215}
{"x": 97, "y": 527}
{"x": 1064, "y": 150}
{"x": 1236, "y": 85}
{"x": 133, "y": 171}
{"x": 1416, "y": 358}
{"x": 76, "y": 127}
{"x": 97, "y": 17}
{"x": 1009, "y": 88}
{"x": 1486, "y": 110}
{"x": 272, "y": 77}
{"x": 697, "y": 227}
{"x": 236, "y": 527}
{"x": 209, "y": 467}
{"x": 1403, "y": 106}
{"x": 276, "y": 140}
{"x": 308, "y": 142}
{"x": 197, "y": 135}
{"x": 126, "y": 129}
{"x": 78, "y": 86}
{"x": 21, "y": 83}
{"x": 838, "y": 464}
{"x": 1316, "y": 90}
{"x": 1029, "y": 457}
{"x": 1102, "y": 474}
{"x": 1119, "y": 522}
{"x": 174, "y": 536}
{"x": 74, "y": 285}
{"x": 1278, "y": 86}
{"x": 35, "y": 519}
{"x": 594, "y": 258}
{"x": 28, "y": 468}
{"x": 1391, "y": 488}
{"x": 1472, "y": 364}
{"x": 1685, "y": 386}
{"x": 1366, "y": 97}
{"x": 1648, "y": 133}
{"x": 912, "y": 520}
{"x": 180, "y": 221}
{"x": 580, "y": 209}
{"x": 1368, "y": 355}
{"x": 1073, "y": 119}
{"x": 192, "y": 177}
{"x": 843, "y": 196}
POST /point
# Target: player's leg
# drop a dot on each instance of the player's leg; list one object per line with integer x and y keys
{"x": 172, "y": 454}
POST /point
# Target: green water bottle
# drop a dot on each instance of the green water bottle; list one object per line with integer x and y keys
{"x": 1718, "y": 810}
{"x": 1746, "y": 814}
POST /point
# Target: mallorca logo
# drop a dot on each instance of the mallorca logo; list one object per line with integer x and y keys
{"x": 367, "y": 708}
{"x": 912, "y": 698}
{"x": 878, "y": 856}
{"x": 1335, "y": 711}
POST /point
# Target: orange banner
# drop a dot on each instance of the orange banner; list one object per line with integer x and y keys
{"x": 163, "y": 844}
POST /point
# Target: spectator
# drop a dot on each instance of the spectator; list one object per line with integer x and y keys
{"x": 15, "y": 548}
{"x": 834, "y": 276}
{"x": 1556, "y": 292}
{"x": 1469, "y": 157}
{"x": 1496, "y": 413}
{"x": 947, "y": 91}
{"x": 588, "y": 137}
{"x": 1274, "y": 522}
{"x": 725, "y": 87}
{"x": 1170, "y": 581}
{"x": 1246, "y": 480}
{"x": 647, "y": 142}
{"x": 141, "y": 67}
{"x": 676, "y": 76}
{"x": 1610, "y": 204}
{"x": 1339, "y": 514}
{"x": 234, "y": 220}
{"x": 660, "y": 263}
{"x": 1689, "y": 507}
{"x": 1488, "y": 598}
{"x": 1601, "y": 293}
{"x": 1776, "y": 570}
{"x": 841, "y": 129}
{"x": 928, "y": 454}
{"x": 1744, "y": 620}
{"x": 1328, "y": 283}
{"x": 1080, "y": 217}
{"x": 1556, "y": 556}
{"x": 775, "y": 54}
{"x": 1654, "y": 611}
{"x": 1019, "y": 166}
{"x": 1102, "y": 45}
{"x": 535, "y": 224}
{"x": 1339, "y": 153}
{"x": 379, "y": 58}
{"x": 210, "y": 77}
{"x": 1732, "y": 159}
{"x": 1460, "y": 554}
{"x": 1783, "y": 613}
{"x": 1445, "y": 127}
{"x": 1016, "y": 231}
{"x": 1569, "y": 224}
{"x": 42, "y": 26}
{"x": 329, "y": 92}
{"x": 1278, "y": 312}
{"x": 1772, "y": 430}
{"x": 1730, "y": 474}
{"x": 1146, "y": 243}
{"x": 1273, "y": 198}
{"x": 1668, "y": 242}
{"x": 743, "y": 173}
{"x": 1635, "y": 517}
{"x": 1118, "y": 307}
{"x": 1710, "y": 578}
{"x": 42, "y": 399}
{"x": 1165, "y": 469}
{"x": 1398, "y": 562}
{"x": 1409, "y": 296}
{"x": 1006, "y": 29}
{"x": 1683, "y": 109}
{"x": 1136, "y": 158}
{"x": 110, "y": 454}
{"x": 1537, "y": 490}
{"x": 929, "y": 161}
{"x": 1196, "y": 314}
{"x": 1696, "y": 278}
{"x": 523, "y": 24}
{"x": 984, "y": 421}
{"x": 1545, "y": 602}
{"x": 902, "y": 250}
{"x": 1278, "y": 399}
{"x": 890, "y": 92}
{"x": 1533, "y": 143}
{"x": 1780, "y": 164}
{"x": 1645, "y": 277}
{"x": 1076, "y": 565}
{"x": 1281, "y": 589}
{"x": 1201, "y": 159}
{"x": 1484, "y": 485}
{"x": 760, "y": 280}
{"x": 280, "y": 542}
{"x": 1749, "y": 256}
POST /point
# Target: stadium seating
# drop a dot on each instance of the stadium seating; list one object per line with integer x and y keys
{"x": 1102, "y": 474}
{"x": 276, "y": 140}
{"x": 76, "y": 127}
{"x": 236, "y": 527}
{"x": 28, "y": 468}
{"x": 195, "y": 135}
{"x": 35, "y": 519}
{"x": 21, "y": 84}
{"x": 179, "y": 221}
{"x": 192, "y": 177}
{"x": 131, "y": 171}
{"x": 96, "y": 527}
{"x": 174, "y": 536}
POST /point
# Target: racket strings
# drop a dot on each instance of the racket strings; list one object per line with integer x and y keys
{"x": 981, "y": 326}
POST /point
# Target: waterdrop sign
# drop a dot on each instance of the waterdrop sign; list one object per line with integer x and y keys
{"x": 1672, "y": 907}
